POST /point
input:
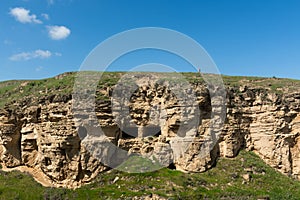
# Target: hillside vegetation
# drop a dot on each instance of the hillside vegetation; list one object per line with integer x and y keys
{"x": 16, "y": 90}
{"x": 243, "y": 177}
{"x": 225, "y": 181}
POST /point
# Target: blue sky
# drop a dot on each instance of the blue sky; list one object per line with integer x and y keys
{"x": 43, "y": 38}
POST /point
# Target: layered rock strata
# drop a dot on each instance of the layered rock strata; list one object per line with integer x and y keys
{"x": 47, "y": 135}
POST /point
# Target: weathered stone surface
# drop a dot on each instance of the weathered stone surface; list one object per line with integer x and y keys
{"x": 50, "y": 137}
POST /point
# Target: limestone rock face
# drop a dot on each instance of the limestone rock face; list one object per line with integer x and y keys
{"x": 10, "y": 139}
{"x": 44, "y": 138}
{"x": 267, "y": 124}
{"x": 48, "y": 135}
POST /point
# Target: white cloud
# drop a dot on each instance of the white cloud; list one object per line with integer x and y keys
{"x": 58, "y": 32}
{"x": 42, "y": 54}
{"x": 45, "y": 16}
{"x": 22, "y": 15}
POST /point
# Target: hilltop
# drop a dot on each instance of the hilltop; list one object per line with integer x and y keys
{"x": 15, "y": 90}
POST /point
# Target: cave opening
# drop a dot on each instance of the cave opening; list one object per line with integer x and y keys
{"x": 172, "y": 166}
{"x": 134, "y": 132}
{"x": 153, "y": 131}
{"x": 129, "y": 132}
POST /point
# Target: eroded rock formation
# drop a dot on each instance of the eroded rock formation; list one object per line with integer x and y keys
{"x": 44, "y": 135}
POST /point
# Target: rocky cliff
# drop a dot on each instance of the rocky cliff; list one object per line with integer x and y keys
{"x": 42, "y": 135}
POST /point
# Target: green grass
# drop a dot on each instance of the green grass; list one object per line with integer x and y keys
{"x": 224, "y": 181}
{"x": 136, "y": 164}
{"x": 18, "y": 90}
{"x": 275, "y": 85}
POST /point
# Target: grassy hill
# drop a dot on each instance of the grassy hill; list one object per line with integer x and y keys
{"x": 225, "y": 181}
{"x": 243, "y": 177}
{"x": 16, "y": 90}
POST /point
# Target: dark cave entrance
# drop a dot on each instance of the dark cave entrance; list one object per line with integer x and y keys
{"x": 153, "y": 131}
{"x": 129, "y": 132}
{"x": 134, "y": 132}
